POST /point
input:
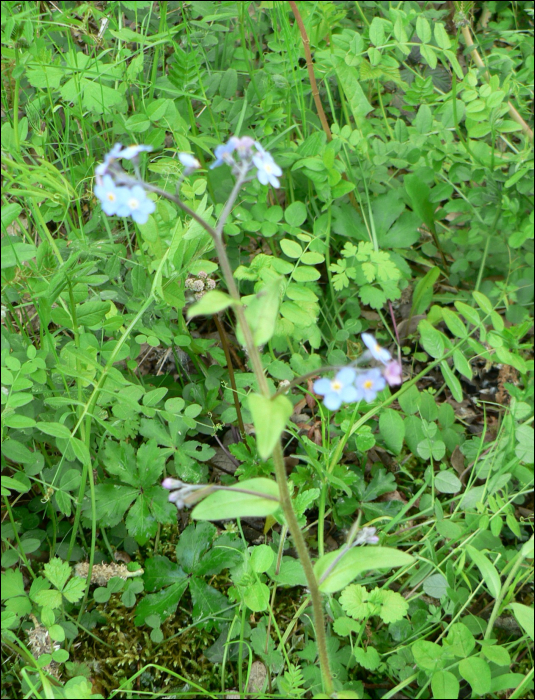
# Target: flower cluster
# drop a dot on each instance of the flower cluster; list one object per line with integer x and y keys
{"x": 117, "y": 197}
{"x": 189, "y": 162}
{"x": 351, "y": 384}
{"x": 201, "y": 285}
{"x": 250, "y": 153}
{"x": 181, "y": 494}
{"x": 366, "y": 535}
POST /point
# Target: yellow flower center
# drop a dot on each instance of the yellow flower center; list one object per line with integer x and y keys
{"x": 368, "y": 384}
{"x": 111, "y": 197}
{"x": 336, "y": 385}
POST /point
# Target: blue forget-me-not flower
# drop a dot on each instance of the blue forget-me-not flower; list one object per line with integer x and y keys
{"x": 131, "y": 152}
{"x": 223, "y": 154}
{"x": 189, "y": 162}
{"x": 339, "y": 390}
{"x": 250, "y": 153}
{"x": 111, "y": 196}
{"x": 355, "y": 384}
{"x": 136, "y": 204}
{"x": 376, "y": 351}
{"x": 268, "y": 170}
{"x": 369, "y": 384}
{"x": 113, "y": 186}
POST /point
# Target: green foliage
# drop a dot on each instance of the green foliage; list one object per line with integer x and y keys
{"x": 410, "y": 217}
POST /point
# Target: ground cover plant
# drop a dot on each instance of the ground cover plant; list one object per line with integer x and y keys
{"x": 267, "y": 368}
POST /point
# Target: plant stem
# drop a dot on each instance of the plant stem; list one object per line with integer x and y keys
{"x": 256, "y": 362}
{"x": 304, "y": 557}
{"x": 310, "y": 69}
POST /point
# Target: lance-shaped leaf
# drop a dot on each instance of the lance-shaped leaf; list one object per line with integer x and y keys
{"x": 353, "y": 563}
{"x": 252, "y": 498}
{"x": 269, "y": 417}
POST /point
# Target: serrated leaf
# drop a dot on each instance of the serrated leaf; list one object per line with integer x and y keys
{"x": 344, "y": 626}
{"x": 371, "y": 296}
{"x": 354, "y": 601}
{"x": 75, "y": 589}
{"x": 48, "y": 599}
{"x": 394, "y": 607}
{"x": 164, "y": 603}
{"x": 57, "y": 572}
{"x": 368, "y": 658}
{"x": 12, "y": 584}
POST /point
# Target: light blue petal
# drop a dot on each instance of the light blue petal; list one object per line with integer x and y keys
{"x": 332, "y": 401}
{"x": 346, "y": 375}
{"x": 349, "y": 394}
{"x": 322, "y": 386}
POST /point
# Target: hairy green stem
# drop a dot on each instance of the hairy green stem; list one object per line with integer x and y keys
{"x": 280, "y": 469}
{"x": 306, "y": 562}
